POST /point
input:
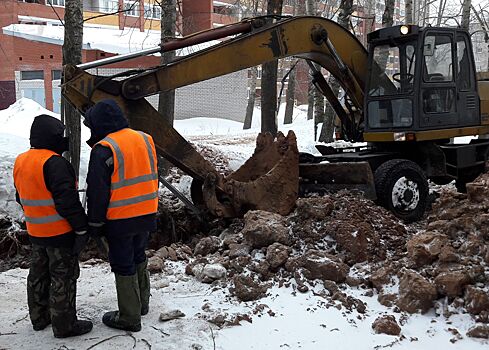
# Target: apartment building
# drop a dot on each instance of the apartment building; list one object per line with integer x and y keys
{"x": 31, "y": 42}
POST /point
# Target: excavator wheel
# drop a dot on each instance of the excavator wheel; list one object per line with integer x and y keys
{"x": 402, "y": 188}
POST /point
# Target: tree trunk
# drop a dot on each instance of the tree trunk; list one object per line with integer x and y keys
{"x": 416, "y": 12}
{"x": 465, "y": 14}
{"x": 166, "y": 105}
{"x": 311, "y": 11}
{"x": 441, "y": 10}
{"x": 166, "y": 99}
{"x": 409, "y": 11}
{"x": 250, "y": 9}
{"x": 344, "y": 15}
{"x": 251, "y": 100}
{"x": 388, "y": 15}
{"x": 72, "y": 54}
{"x": 269, "y": 82}
{"x": 319, "y": 115}
{"x": 290, "y": 97}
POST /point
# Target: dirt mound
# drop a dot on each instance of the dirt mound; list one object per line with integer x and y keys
{"x": 350, "y": 226}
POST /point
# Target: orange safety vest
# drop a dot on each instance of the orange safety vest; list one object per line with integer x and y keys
{"x": 41, "y": 216}
{"x": 134, "y": 182}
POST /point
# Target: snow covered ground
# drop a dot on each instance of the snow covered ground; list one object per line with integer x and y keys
{"x": 290, "y": 320}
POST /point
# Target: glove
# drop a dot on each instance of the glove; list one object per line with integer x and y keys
{"x": 97, "y": 233}
{"x": 81, "y": 239}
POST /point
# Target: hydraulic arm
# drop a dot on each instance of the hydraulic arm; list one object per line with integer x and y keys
{"x": 269, "y": 180}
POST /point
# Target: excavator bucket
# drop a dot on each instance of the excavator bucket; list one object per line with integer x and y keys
{"x": 269, "y": 180}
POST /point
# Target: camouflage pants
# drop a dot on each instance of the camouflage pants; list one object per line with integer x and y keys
{"x": 51, "y": 288}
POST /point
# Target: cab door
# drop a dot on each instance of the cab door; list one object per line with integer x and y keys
{"x": 467, "y": 98}
{"x": 438, "y": 94}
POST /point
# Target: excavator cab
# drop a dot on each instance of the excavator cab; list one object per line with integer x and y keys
{"x": 420, "y": 79}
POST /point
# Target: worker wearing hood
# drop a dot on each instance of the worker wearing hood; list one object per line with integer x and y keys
{"x": 122, "y": 195}
{"x": 46, "y": 189}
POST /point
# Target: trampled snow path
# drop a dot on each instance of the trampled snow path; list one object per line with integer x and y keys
{"x": 301, "y": 321}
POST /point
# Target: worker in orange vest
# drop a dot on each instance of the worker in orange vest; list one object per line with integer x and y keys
{"x": 56, "y": 224}
{"x": 122, "y": 198}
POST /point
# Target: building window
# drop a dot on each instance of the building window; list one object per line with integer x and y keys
{"x": 32, "y": 75}
{"x": 109, "y": 6}
{"x": 30, "y": 1}
{"x": 55, "y": 2}
{"x": 56, "y": 74}
{"x": 152, "y": 11}
{"x": 131, "y": 8}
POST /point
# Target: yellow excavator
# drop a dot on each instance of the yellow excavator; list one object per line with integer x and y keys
{"x": 406, "y": 98}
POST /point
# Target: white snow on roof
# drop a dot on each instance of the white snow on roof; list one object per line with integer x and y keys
{"x": 103, "y": 38}
{"x": 221, "y": 3}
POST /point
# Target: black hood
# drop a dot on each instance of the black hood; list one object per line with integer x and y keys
{"x": 47, "y": 133}
{"x": 104, "y": 118}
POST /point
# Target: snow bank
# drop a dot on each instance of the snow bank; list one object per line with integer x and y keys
{"x": 15, "y": 126}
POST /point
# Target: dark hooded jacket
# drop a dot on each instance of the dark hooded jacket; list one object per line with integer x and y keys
{"x": 59, "y": 177}
{"x": 104, "y": 118}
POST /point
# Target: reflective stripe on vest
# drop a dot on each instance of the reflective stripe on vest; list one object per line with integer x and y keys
{"x": 41, "y": 217}
{"x": 134, "y": 182}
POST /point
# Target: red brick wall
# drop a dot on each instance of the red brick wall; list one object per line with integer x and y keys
{"x": 8, "y": 15}
{"x": 197, "y": 15}
{"x": 17, "y": 54}
{"x": 38, "y": 10}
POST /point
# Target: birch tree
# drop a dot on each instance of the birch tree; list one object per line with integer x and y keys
{"x": 72, "y": 54}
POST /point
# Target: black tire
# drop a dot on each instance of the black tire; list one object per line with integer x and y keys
{"x": 402, "y": 188}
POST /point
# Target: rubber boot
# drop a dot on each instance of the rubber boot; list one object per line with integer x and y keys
{"x": 144, "y": 286}
{"x": 128, "y": 317}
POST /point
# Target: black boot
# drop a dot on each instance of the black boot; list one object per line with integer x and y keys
{"x": 40, "y": 325}
{"x": 128, "y": 317}
{"x": 79, "y": 327}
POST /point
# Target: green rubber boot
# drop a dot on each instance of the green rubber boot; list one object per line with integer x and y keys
{"x": 128, "y": 317}
{"x": 144, "y": 286}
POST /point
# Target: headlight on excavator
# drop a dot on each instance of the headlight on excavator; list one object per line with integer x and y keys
{"x": 403, "y": 136}
{"x": 404, "y": 30}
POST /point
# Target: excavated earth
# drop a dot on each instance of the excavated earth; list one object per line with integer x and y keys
{"x": 336, "y": 241}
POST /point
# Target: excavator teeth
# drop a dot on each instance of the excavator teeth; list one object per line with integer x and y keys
{"x": 269, "y": 180}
